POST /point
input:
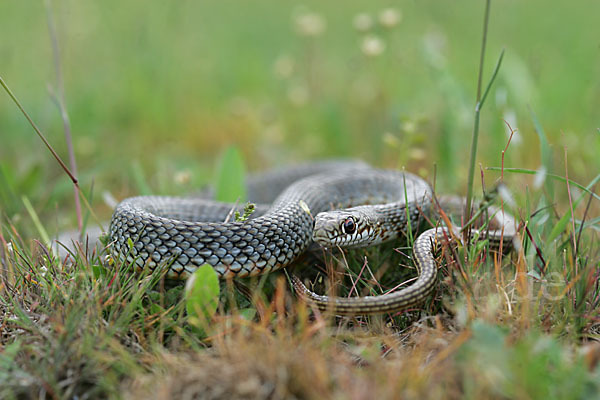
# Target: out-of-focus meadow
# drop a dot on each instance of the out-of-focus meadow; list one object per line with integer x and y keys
{"x": 155, "y": 92}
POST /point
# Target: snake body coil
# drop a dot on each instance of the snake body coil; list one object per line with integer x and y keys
{"x": 185, "y": 233}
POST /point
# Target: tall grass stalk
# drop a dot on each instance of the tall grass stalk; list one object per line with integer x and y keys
{"x": 479, "y": 104}
{"x": 51, "y": 149}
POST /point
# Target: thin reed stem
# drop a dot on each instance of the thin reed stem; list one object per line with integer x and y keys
{"x": 479, "y": 104}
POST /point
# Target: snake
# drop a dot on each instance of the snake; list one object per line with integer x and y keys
{"x": 331, "y": 204}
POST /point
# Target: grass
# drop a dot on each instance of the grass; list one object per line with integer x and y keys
{"x": 155, "y": 93}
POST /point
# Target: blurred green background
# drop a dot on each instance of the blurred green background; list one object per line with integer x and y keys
{"x": 157, "y": 90}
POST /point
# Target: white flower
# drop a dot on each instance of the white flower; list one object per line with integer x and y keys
{"x": 417, "y": 154}
{"x": 310, "y": 24}
{"x": 390, "y": 17}
{"x": 182, "y": 177}
{"x": 372, "y": 45}
{"x": 362, "y": 22}
{"x": 391, "y": 140}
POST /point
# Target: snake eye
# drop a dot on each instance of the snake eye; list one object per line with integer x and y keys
{"x": 349, "y": 226}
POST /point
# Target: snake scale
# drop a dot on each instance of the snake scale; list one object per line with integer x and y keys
{"x": 373, "y": 206}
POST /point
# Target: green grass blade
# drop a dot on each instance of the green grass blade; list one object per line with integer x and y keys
{"x": 544, "y": 145}
{"x": 36, "y": 222}
{"x": 553, "y": 176}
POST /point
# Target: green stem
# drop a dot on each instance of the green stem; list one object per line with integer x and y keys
{"x": 478, "y": 106}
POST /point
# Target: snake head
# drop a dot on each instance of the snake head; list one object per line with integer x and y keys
{"x": 353, "y": 227}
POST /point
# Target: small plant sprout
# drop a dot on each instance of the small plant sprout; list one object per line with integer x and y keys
{"x": 249, "y": 208}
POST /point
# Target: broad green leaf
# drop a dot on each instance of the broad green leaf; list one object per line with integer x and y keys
{"x": 230, "y": 183}
{"x": 202, "y": 294}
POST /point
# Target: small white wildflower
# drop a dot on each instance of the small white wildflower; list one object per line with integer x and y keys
{"x": 284, "y": 66}
{"x": 362, "y": 22}
{"x": 540, "y": 177}
{"x": 183, "y": 177}
{"x": 390, "y": 17}
{"x": 372, "y": 46}
{"x": 391, "y": 140}
{"x": 409, "y": 126}
{"x": 298, "y": 95}
{"x": 310, "y": 24}
{"x": 417, "y": 154}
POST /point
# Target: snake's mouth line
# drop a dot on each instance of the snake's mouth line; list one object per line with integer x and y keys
{"x": 335, "y": 239}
